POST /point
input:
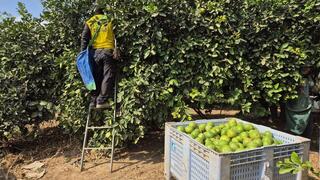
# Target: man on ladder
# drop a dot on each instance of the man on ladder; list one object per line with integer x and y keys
{"x": 98, "y": 31}
{"x": 104, "y": 53}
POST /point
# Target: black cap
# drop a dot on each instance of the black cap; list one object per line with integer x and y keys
{"x": 98, "y": 10}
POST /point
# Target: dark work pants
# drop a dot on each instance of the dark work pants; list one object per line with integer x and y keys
{"x": 104, "y": 68}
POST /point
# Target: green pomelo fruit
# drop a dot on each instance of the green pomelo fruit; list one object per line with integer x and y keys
{"x": 208, "y": 134}
{"x": 233, "y": 146}
{"x": 252, "y": 145}
{"x": 239, "y": 129}
{"x": 267, "y": 134}
{"x": 225, "y": 138}
{"x": 231, "y": 133}
{"x": 254, "y": 134}
{"x": 244, "y": 134}
{"x": 248, "y": 127}
{"x": 239, "y": 138}
{"x": 222, "y": 142}
{"x": 193, "y": 124}
{"x": 232, "y": 122}
{"x": 195, "y": 133}
{"x": 246, "y": 141}
{"x": 209, "y": 127}
{"x": 221, "y": 126}
{"x": 267, "y": 141}
{"x": 189, "y": 129}
{"x": 207, "y": 141}
{"x": 224, "y": 131}
{"x": 211, "y": 146}
{"x": 181, "y": 129}
{"x": 202, "y": 127}
{"x": 240, "y": 145}
{"x": 202, "y": 136}
{"x": 215, "y": 142}
{"x": 227, "y": 126}
{"x": 199, "y": 140}
{"x": 258, "y": 142}
{"x": 213, "y": 131}
{"x": 225, "y": 149}
{"x": 216, "y": 129}
{"x": 240, "y": 149}
{"x": 235, "y": 140}
{"x": 277, "y": 142}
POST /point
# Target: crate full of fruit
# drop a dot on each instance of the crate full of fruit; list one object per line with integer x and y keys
{"x": 223, "y": 149}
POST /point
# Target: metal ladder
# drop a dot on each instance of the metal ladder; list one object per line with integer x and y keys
{"x": 91, "y": 110}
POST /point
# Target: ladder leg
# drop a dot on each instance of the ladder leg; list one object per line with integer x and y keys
{"x": 113, "y": 121}
{"x": 85, "y": 139}
{"x": 112, "y": 151}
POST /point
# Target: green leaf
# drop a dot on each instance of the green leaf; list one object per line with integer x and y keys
{"x": 279, "y": 164}
{"x": 295, "y": 158}
{"x": 286, "y": 170}
{"x": 146, "y": 53}
{"x": 43, "y": 103}
{"x": 159, "y": 34}
{"x": 285, "y": 45}
{"x": 151, "y": 8}
{"x": 308, "y": 164}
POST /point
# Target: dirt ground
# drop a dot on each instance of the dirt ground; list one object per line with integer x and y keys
{"x": 61, "y": 156}
{"x": 62, "y": 160}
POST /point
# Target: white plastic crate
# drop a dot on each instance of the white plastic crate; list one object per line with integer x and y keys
{"x": 186, "y": 159}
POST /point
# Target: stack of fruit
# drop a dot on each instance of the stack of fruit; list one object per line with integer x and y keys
{"x": 229, "y": 137}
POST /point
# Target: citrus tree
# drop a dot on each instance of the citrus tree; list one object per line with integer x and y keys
{"x": 28, "y": 75}
{"x": 182, "y": 54}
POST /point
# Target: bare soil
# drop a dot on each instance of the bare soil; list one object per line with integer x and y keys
{"x": 61, "y": 155}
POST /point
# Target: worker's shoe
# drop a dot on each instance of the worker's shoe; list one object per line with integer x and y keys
{"x": 92, "y": 105}
{"x": 105, "y": 105}
{"x": 93, "y": 102}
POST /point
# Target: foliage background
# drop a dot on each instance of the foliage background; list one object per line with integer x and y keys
{"x": 177, "y": 54}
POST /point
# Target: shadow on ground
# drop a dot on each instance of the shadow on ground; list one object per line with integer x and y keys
{"x": 58, "y": 151}
{"x": 4, "y": 174}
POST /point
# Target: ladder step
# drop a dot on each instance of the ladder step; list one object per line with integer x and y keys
{"x": 100, "y": 127}
{"x": 104, "y": 148}
{"x": 100, "y": 109}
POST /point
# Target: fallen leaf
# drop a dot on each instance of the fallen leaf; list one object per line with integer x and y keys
{"x": 33, "y": 166}
{"x": 35, "y": 175}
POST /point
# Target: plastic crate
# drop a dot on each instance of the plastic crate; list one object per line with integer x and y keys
{"x": 186, "y": 159}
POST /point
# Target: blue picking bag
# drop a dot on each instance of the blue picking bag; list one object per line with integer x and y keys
{"x": 84, "y": 64}
{"x": 85, "y": 69}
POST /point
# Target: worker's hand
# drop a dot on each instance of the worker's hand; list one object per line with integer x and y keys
{"x": 116, "y": 54}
